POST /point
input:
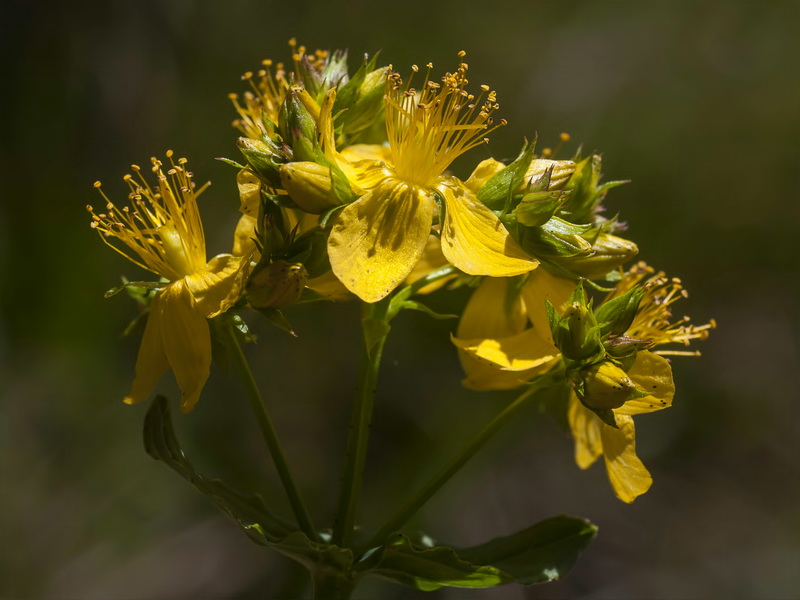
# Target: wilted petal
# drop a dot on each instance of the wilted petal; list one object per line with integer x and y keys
{"x": 474, "y": 240}
{"x": 585, "y": 427}
{"x": 377, "y": 240}
{"x": 217, "y": 286}
{"x": 627, "y": 474}
{"x": 152, "y": 360}
{"x": 249, "y": 192}
{"x": 650, "y": 373}
{"x": 187, "y": 342}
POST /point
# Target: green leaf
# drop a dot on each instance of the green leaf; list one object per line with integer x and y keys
{"x": 250, "y": 511}
{"x": 538, "y": 554}
{"x": 430, "y": 568}
{"x": 136, "y": 288}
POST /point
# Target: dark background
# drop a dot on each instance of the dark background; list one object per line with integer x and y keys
{"x": 695, "y": 102}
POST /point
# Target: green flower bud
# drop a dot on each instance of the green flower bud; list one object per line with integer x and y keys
{"x": 276, "y": 285}
{"x": 617, "y": 314}
{"x": 297, "y": 123}
{"x": 367, "y": 106}
{"x": 605, "y": 386}
{"x": 544, "y": 175}
{"x": 577, "y": 335}
{"x": 608, "y": 253}
{"x": 557, "y": 238}
{"x": 310, "y": 186}
{"x": 265, "y": 158}
{"x": 537, "y": 208}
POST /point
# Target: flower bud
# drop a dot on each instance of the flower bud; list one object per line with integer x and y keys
{"x": 276, "y": 285}
{"x": 576, "y": 334}
{"x": 605, "y": 386}
{"x": 310, "y": 186}
{"x": 368, "y": 103}
{"x": 608, "y": 253}
{"x": 537, "y": 208}
{"x": 265, "y": 158}
{"x": 298, "y": 123}
{"x": 544, "y": 174}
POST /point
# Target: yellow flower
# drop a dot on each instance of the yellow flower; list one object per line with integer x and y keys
{"x": 503, "y": 344}
{"x": 650, "y": 373}
{"x": 161, "y": 232}
{"x": 377, "y": 240}
{"x": 628, "y": 476}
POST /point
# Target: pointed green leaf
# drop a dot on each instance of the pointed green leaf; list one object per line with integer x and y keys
{"x": 538, "y": 554}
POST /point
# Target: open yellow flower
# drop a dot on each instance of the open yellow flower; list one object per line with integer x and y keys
{"x": 650, "y": 373}
{"x": 628, "y": 476}
{"x": 377, "y": 240}
{"x": 161, "y": 232}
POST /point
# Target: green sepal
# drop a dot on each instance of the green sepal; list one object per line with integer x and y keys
{"x": 311, "y": 249}
{"x": 296, "y": 125}
{"x": 265, "y": 158}
{"x": 537, "y": 208}
{"x": 558, "y": 238}
{"x": 497, "y": 193}
{"x": 541, "y": 553}
{"x": 616, "y": 315}
{"x": 231, "y": 162}
{"x": 137, "y": 289}
{"x": 375, "y": 328}
{"x": 277, "y": 318}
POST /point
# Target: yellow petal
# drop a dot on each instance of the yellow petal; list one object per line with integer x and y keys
{"x": 541, "y": 286}
{"x": 650, "y": 373}
{"x": 474, "y": 240}
{"x": 377, "y": 240}
{"x": 327, "y": 285}
{"x": 483, "y": 172}
{"x": 487, "y": 316}
{"x": 358, "y": 152}
{"x": 585, "y": 427}
{"x": 187, "y": 342}
{"x": 244, "y": 237}
{"x": 249, "y": 192}
{"x": 520, "y": 352}
{"x": 627, "y": 474}
{"x": 217, "y": 286}
{"x": 151, "y": 361}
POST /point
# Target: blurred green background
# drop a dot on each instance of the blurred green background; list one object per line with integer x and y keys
{"x": 698, "y": 103}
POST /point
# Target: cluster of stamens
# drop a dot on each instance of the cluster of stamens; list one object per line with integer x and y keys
{"x": 653, "y": 321}
{"x": 269, "y": 88}
{"x": 158, "y": 219}
{"x": 430, "y": 126}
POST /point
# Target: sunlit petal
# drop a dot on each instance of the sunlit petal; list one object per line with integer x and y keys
{"x": 653, "y": 374}
{"x": 520, "y": 352}
{"x": 474, "y": 240}
{"x": 217, "y": 286}
{"x": 377, "y": 240}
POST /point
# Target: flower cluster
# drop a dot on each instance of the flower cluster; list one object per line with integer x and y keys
{"x": 345, "y": 192}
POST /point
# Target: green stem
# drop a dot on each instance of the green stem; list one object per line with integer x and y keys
{"x": 268, "y": 431}
{"x": 360, "y": 421}
{"x": 442, "y": 477}
{"x": 331, "y": 584}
